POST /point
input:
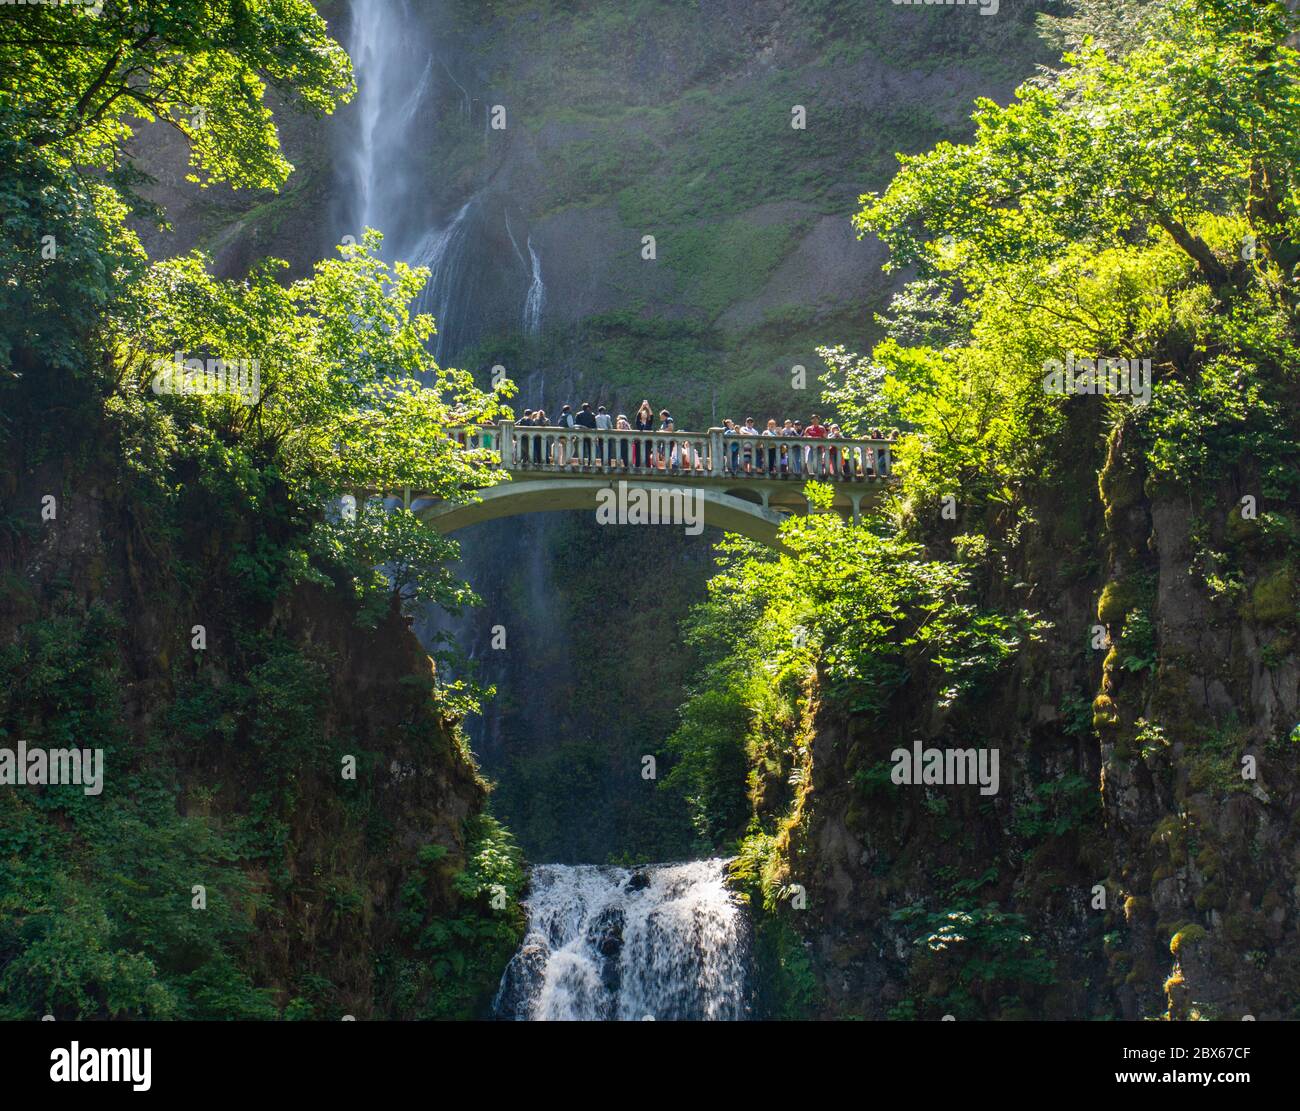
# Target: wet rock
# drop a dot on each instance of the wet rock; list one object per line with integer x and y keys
{"x": 522, "y": 981}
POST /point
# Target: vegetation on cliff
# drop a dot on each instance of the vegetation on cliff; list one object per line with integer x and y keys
{"x": 290, "y": 823}
{"x": 1138, "y": 203}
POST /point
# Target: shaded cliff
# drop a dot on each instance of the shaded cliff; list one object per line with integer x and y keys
{"x": 228, "y": 767}
{"x": 1139, "y": 856}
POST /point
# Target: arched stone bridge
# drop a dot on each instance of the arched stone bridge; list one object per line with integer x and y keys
{"x": 743, "y": 484}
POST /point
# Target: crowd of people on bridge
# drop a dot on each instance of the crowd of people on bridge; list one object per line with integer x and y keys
{"x": 743, "y": 452}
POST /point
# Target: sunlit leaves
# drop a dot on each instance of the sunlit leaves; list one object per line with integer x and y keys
{"x": 1200, "y": 122}
{"x": 342, "y": 364}
{"x": 76, "y": 85}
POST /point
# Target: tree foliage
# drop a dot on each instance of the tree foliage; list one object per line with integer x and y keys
{"x": 80, "y": 79}
{"x": 224, "y": 497}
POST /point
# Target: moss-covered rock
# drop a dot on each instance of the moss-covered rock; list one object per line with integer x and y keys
{"x": 1117, "y": 597}
{"x": 1242, "y": 530}
{"x": 1187, "y": 936}
{"x": 1105, "y": 714}
{"x": 1273, "y": 599}
{"x": 1120, "y": 487}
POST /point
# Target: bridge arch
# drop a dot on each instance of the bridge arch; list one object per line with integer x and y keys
{"x": 744, "y": 484}
{"x": 542, "y": 494}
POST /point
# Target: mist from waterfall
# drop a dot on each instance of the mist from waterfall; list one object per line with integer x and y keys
{"x": 405, "y": 78}
{"x": 662, "y": 942}
{"x": 444, "y": 251}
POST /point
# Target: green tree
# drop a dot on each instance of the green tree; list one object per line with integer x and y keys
{"x": 76, "y": 80}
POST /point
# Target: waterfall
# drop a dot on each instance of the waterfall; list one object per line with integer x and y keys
{"x": 536, "y": 294}
{"x": 444, "y": 252}
{"x": 663, "y": 942}
{"x": 406, "y": 86}
{"x": 388, "y": 53}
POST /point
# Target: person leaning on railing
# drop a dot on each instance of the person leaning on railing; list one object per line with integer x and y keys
{"x": 526, "y": 421}
{"x": 641, "y": 449}
{"x": 833, "y": 456}
{"x": 747, "y": 445}
{"x": 671, "y": 452}
{"x": 665, "y": 425}
{"x": 562, "y": 444}
{"x": 767, "y": 456}
{"x": 621, "y": 425}
{"x": 540, "y": 453}
{"x": 586, "y": 420}
{"x": 814, "y": 457}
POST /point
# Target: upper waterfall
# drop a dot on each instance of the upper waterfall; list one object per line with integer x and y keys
{"x": 408, "y": 91}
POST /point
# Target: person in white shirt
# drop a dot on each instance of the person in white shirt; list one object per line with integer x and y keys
{"x": 604, "y": 422}
{"x": 747, "y": 446}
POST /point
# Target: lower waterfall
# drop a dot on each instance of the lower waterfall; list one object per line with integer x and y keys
{"x": 667, "y": 941}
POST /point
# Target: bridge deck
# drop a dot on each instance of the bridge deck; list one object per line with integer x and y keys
{"x": 683, "y": 455}
{"x": 749, "y": 482}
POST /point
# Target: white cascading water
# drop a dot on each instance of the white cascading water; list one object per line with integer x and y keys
{"x": 444, "y": 252}
{"x": 663, "y": 942}
{"x": 385, "y": 55}
{"x": 536, "y": 298}
{"x": 399, "y": 72}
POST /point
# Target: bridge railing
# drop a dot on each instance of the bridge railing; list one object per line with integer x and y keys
{"x": 804, "y": 456}
{"x": 701, "y": 454}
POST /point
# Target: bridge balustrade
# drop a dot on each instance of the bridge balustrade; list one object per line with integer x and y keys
{"x": 683, "y": 454}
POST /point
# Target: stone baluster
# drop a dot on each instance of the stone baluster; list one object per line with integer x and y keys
{"x": 506, "y": 447}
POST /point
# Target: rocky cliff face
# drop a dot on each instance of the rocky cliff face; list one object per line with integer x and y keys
{"x": 231, "y": 719}
{"x": 1125, "y": 868}
{"x": 1200, "y": 810}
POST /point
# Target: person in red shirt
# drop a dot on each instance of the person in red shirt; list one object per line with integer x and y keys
{"x": 814, "y": 457}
